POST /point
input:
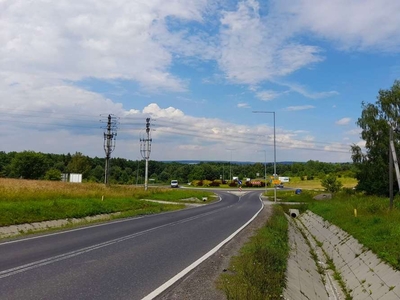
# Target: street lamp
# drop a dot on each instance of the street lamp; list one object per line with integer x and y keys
{"x": 271, "y": 112}
{"x": 265, "y": 168}
{"x": 230, "y": 167}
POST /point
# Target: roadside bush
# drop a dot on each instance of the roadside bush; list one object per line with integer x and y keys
{"x": 215, "y": 183}
{"x": 233, "y": 184}
{"x": 248, "y": 184}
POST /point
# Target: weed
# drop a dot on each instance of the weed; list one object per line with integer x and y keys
{"x": 260, "y": 267}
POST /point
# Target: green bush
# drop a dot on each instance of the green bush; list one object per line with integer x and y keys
{"x": 53, "y": 174}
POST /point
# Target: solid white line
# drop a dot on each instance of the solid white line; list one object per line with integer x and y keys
{"x": 178, "y": 276}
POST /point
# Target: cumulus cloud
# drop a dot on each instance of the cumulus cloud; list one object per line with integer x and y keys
{"x": 355, "y": 24}
{"x": 343, "y": 121}
{"x": 254, "y": 49}
{"x": 155, "y": 111}
{"x": 102, "y": 39}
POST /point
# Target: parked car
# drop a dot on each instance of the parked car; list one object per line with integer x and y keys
{"x": 174, "y": 184}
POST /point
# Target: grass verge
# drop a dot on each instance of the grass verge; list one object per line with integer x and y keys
{"x": 27, "y": 201}
{"x": 259, "y": 271}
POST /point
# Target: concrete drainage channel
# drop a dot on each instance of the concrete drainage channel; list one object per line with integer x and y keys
{"x": 327, "y": 263}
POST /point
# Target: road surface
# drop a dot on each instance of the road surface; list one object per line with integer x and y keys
{"x": 124, "y": 259}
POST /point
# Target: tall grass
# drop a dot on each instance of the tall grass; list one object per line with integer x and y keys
{"x": 259, "y": 271}
{"x": 26, "y": 201}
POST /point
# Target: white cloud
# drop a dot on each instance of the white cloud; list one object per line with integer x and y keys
{"x": 94, "y": 38}
{"x": 156, "y": 112}
{"x": 355, "y": 24}
{"x": 356, "y": 131}
{"x": 243, "y": 105}
{"x": 254, "y": 49}
{"x": 303, "y": 91}
{"x": 267, "y": 95}
{"x": 296, "y": 108}
{"x": 343, "y": 121}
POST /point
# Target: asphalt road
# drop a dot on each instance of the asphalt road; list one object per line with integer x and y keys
{"x": 125, "y": 259}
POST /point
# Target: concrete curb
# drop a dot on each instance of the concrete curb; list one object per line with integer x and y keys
{"x": 365, "y": 276}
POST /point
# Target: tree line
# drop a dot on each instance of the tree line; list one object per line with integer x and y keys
{"x": 37, "y": 165}
{"x": 372, "y": 164}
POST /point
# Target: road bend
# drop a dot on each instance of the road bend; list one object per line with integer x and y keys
{"x": 125, "y": 259}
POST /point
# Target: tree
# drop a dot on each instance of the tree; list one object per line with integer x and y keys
{"x": 29, "y": 165}
{"x": 331, "y": 184}
{"x": 375, "y": 122}
{"x": 79, "y": 164}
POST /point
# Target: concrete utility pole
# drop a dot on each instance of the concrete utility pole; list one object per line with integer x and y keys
{"x": 109, "y": 144}
{"x": 145, "y": 149}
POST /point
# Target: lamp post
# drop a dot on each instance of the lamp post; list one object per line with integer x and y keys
{"x": 265, "y": 168}
{"x": 271, "y": 112}
{"x": 230, "y": 167}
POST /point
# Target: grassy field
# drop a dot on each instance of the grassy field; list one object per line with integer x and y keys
{"x": 26, "y": 201}
{"x": 295, "y": 182}
{"x": 315, "y": 184}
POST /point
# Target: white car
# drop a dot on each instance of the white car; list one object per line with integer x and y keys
{"x": 174, "y": 184}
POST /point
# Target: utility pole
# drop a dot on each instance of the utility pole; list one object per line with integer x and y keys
{"x": 392, "y": 162}
{"x": 145, "y": 149}
{"x": 109, "y": 144}
{"x": 271, "y": 112}
{"x": 230, "y": 165}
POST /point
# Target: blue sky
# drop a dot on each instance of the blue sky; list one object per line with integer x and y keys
{"x": 198, "y": 69}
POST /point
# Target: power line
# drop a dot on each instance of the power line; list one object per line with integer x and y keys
{"x": 178, "y": 129}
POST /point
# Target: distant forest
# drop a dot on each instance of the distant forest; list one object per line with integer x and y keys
{"x": 37, "y": 165}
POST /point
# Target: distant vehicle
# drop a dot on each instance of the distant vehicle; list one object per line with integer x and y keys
{"x": 284, "y": 179}
{"x": 174, "y": 184}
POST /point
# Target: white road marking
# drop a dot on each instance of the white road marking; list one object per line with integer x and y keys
{"x": 178, "y": 276}
{"x": 43, "y": 262}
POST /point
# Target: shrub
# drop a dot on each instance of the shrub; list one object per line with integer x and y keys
{"x": 248, "y": 184}
{"x": 233, "y": 184}
{"x": 215, "y": 183}
{"x": 53, "y": 174}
